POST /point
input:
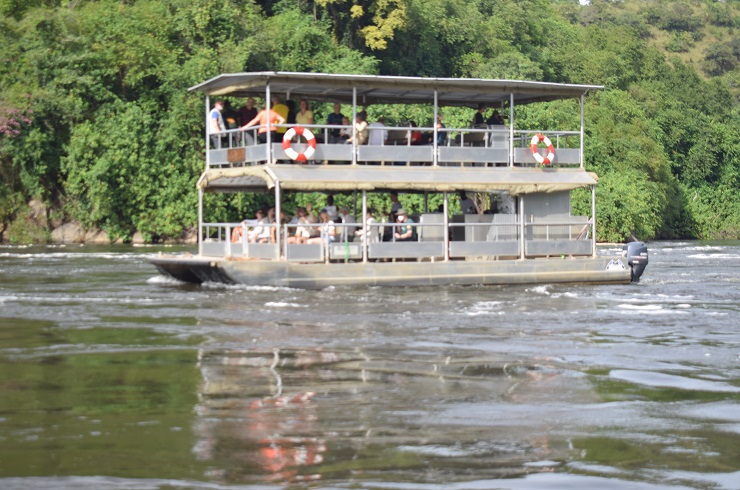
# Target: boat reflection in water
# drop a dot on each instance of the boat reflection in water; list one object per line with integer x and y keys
{"x": 287, "y": 416}
{"x": 247, "y": 421}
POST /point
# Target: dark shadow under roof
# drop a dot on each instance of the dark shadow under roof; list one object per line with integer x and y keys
{"x": 375, "y": 89}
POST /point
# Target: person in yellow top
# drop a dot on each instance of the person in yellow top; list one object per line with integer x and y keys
{"x": 281, "y": 109}
{"x": 304, "y": 116}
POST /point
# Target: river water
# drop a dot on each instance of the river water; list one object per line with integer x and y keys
{"x": 114, "y": 377}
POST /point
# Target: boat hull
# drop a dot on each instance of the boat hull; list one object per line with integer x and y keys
{"x": 197, "y": 269}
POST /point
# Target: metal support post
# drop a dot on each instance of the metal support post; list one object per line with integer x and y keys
{"x": 354, "y": 125}
{"x": 268, "y": 136}
{"x": 200, "y": 221}
{"x": 511, "y": 129}
{"x": 522, "y": 229}
{"x": 593, "y": 220}
{"x": 446, "y": 221}
{"x": 364, "y": 227}
{"x": 583, "y": 100}
{"x": 435, "y": 156}
{"x": 278, "y": 221}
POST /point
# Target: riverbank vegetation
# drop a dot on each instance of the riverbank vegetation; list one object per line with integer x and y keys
{"x": 96, "y": 122}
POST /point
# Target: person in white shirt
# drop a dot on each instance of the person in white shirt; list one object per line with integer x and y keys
{"x": 373, "y": 232}
{"x": 347, "y": 219}
{"x": 217, "y": 124}
{"x": 378, "y": 133}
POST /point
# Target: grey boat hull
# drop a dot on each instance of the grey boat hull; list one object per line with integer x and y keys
{"x": 196, "y": 269}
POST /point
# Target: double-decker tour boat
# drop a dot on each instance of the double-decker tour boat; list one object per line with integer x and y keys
{"x": 534, "y": 239}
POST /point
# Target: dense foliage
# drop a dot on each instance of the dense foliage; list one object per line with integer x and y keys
{"x": 96, "y": 121}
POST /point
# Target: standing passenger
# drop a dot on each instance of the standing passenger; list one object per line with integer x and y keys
{"x": 281, "y": 109}
{"x": 266, "y": 123}
{"x": 335, "y": 119}
{"x": 217, "y": 126}
{"x": 304, "y": 116}
{"x": 247, "y": 112}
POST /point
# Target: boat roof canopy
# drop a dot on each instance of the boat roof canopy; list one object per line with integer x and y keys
{"x": 376, "y": 89}
{"x": 327, "y": 178}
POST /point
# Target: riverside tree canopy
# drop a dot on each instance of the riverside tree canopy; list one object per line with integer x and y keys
{"x": 97, "y": 124}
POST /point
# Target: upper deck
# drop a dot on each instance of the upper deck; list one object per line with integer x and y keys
{"x": 479, "y": 147}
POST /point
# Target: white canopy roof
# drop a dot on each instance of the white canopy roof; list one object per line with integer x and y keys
{"x": 375, "y": 89}
{"x": 343, "y": 178}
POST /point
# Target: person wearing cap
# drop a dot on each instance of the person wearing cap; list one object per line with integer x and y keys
{"x": 404, "y": 232}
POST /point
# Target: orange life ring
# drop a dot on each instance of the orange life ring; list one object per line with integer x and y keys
{"x": 547, "y": 160}
{"x": 310, "y": 140}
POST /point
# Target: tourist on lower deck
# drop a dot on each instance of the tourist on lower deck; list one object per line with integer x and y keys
{"x": 325, "y": 228}
{"x": 404, "y": 231}
{"x": 373, "y": 232}
{"x": 347, "y": 219}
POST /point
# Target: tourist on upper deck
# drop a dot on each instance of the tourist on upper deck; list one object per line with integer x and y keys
{"x": 373, "y": 232}
{"x": 291, "y": 119}
{"x": 441, "y": 135}
{"x": 217, "y": 126}
{"x": 347, "y": 219}
{"x": 304, "y": 116}
{"x": 467, "y": 205}
{"x": 346, "y": 132}
{"x": 496, "y": 119}
{"x": 378, "y": 134}
{"x": 231, "y": 117}
{"x": 360, "y": 129}
{"x": 326, "y": 229}
{"x": 415, "y": 136}
{"x": 247, "y": 112}
{"x": 336, "y": 119}
{"x": 266, "y": 120}
{"x": 404, "y": 232}
{"x": 478, "y": 119}
{"x": 281, "y": 109}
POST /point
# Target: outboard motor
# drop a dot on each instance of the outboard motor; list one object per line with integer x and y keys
{"x": 637, "y": 258}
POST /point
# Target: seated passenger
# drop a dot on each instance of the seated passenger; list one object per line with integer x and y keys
{"x": 404, "y": 232}
{"x": 347, "y": 219}
{"x": 360, "y": 129}
{"x": 415, "y": 134}
{"x": 496, "y": 119}
{"x": 478, "y": 119}
{"x": 265, "y": 234}
{"x": 345, "y": 133}
{"x": 258, "y": 227}
{"x": 326, "y": 229}
{"x": 373, "y": 232}
{"x": 378, "y": 134}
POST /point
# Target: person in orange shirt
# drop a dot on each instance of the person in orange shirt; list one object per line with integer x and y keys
{"x": 266, "y": 120}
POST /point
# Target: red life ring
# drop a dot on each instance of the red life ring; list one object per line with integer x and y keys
{"x": 310, "y": 139}
{"x": 536, "y": 151}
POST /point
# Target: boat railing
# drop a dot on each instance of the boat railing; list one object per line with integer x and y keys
{"x": 497, "y": 235}
{"x": 490, "y": 146}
